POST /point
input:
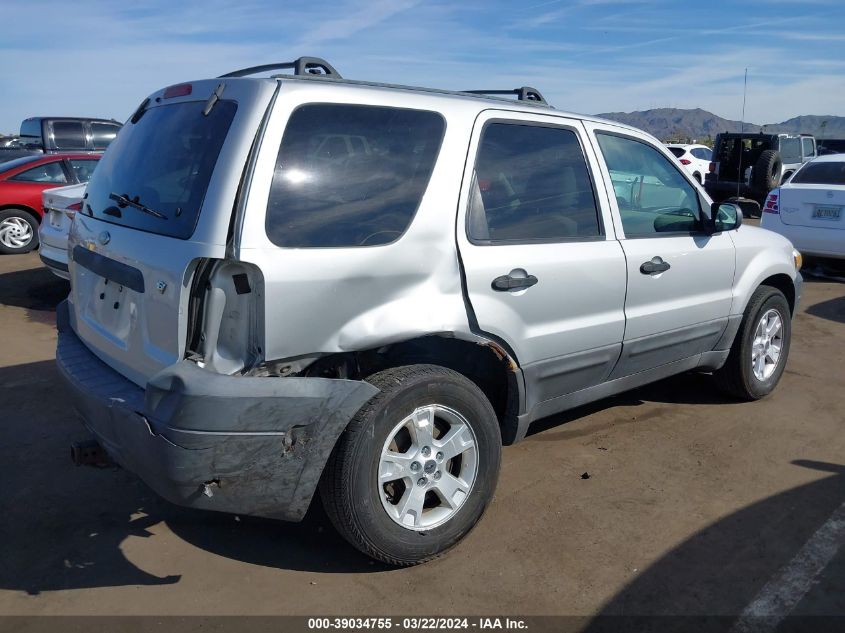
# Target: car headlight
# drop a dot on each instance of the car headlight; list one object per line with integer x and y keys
{"x": 796, "y": 257}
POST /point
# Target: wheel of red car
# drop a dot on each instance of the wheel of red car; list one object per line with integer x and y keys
{"x": 18, "y": 231}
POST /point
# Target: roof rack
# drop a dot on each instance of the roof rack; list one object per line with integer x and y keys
{"x": 524, "y": 93}
{"x": 301, "y": 66}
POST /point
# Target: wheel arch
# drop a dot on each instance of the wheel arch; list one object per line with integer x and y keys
{"x": 784, "y": 283}
{"x": 484, "y": 361}
{"x": 22, "y": 207}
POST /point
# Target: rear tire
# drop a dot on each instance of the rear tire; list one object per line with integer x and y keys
{"x": 761, "y": 348}
{"x": 386, "y": 483}
{"x": 766, "y": 174}
{"x": 18, "y": 231}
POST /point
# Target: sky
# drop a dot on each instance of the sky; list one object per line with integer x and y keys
{"x": 101, "y": 58}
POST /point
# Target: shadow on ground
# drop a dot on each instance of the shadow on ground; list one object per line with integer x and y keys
{"x": 63, "y": 526}
{"x": 37, "y": 290}
{"x": 721, "y": 569}
{"x": 832, "y": 309}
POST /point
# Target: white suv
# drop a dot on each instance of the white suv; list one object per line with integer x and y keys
{"x": 250, "y": 322}
{"x": 695, "y": 159}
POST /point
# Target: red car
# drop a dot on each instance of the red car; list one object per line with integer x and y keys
{"x": 22, "y": 181}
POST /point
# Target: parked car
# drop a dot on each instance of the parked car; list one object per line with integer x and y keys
{"x": 247, "y": 326}
{"x": 751, "y": 165}
{"x": 695, "y": 158}
{"x": 60, "y": 206}
{"x": 831, "y": 146}
{"x": 22, "y": 181}
{"x": 50, "y": 135}
{"x": 808, "y": 209}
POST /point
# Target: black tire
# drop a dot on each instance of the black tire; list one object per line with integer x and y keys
{"x": 766, "y": 175}
{"x": 737, "y": 377}
{"x": 349, "y": 490}
{"x": 698, "y": 178}
{"x": 19, "y": 215}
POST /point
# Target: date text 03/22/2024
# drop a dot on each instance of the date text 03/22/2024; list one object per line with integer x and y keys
{"x": 417, "y": 623}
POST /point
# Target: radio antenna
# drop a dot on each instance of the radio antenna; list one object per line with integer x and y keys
{"x": 741, "y": 131}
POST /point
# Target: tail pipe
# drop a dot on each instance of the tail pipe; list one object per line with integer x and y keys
{"x": 89, "y": 453}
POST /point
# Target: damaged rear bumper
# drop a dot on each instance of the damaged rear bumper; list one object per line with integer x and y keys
{"x": 257, "y": 445}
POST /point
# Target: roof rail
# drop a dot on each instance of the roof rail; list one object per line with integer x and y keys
{"x": 301, "y": 66}
{"x": 524, "y": 93}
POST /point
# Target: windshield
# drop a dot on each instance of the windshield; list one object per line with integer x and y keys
{"x": 163, "y": 163}
{"x": 677, "y": 151}
{"x": 825, "y": 173}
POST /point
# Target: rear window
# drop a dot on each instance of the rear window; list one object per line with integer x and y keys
{"x": 821, "y": 174}
{"x": 677, "y": 151}
{"x": 790, "y": 150}
{"x": 31, "y": 131}
{"x": 163, "y": 162}
{"x": 102, "y": 134}
{"x": 350, "y": 175}
{"x": 68, "y": 135}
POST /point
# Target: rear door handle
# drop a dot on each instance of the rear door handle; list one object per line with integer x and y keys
{"x": 654, "y": 266}
{"x": 509, "y": 282}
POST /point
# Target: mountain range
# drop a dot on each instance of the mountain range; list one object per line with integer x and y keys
{"x": 674, "y": 124}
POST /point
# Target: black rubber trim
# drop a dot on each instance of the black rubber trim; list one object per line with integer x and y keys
{"x": 52, "y": 263}
{"x": 113, "y": 271}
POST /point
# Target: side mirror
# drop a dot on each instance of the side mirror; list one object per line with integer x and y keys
{"x": 725, "y": 216}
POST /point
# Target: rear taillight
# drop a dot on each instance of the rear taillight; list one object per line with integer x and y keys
{"x": 71, "y": 209}
{"x": 686, "y": 161}
{"x": 712, "y": 168}
{"x": 771, "y": 205}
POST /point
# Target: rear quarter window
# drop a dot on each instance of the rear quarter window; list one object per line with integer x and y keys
{"x": 351, "y": 175}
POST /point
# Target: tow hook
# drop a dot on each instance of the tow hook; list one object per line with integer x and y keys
{"x": 89, "y": 453}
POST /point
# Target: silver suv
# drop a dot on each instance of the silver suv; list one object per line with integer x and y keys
{"x": 299, "y": 283}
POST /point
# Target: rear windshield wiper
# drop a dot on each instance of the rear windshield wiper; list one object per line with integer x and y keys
{"x": 125, "y": 200}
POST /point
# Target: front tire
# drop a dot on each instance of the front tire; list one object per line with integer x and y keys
{"x": 18, "y": 231}
{"x": 759, "y": 353}
{"x": 415, "y": 469}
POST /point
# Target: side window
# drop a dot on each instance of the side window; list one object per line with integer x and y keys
{"x": 701, "y": 153}
{"x": 531, "y": 184}
{"x": 652, "y": 195}
{"x": 324, "y": 195}
{"x": 68, "y": 135}
{"x": 83, "y": 168}
{"x": 102, "y": 134}
{"x": 808, "y": 147}
{"x": 48, "y": 172}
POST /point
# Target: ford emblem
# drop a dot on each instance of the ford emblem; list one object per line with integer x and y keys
{"x": 104, "y": 238}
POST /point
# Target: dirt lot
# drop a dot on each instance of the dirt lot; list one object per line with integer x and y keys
{"x": 694, "y": 504}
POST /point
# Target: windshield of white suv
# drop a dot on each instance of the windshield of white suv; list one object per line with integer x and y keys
{"x": 350, "y": 175}
{"x": 162, "y": 163}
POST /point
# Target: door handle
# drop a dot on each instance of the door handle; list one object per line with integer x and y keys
{"x": 654, "y": 266}
{"x": 509, "y": 282}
